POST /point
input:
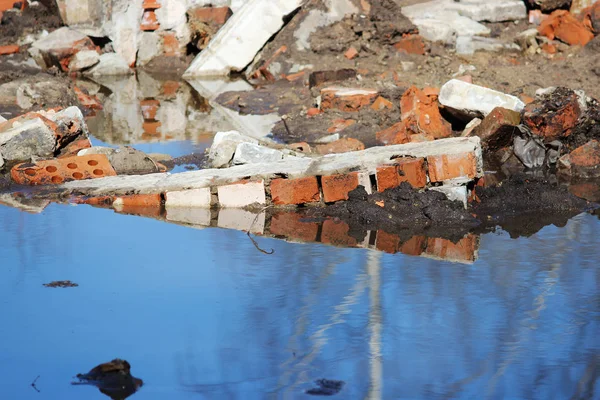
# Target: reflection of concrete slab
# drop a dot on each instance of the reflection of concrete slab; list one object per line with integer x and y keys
{"x": 241, "y": 220}
{"x": 192, "y": 216}
{"x": 33, "y": 206}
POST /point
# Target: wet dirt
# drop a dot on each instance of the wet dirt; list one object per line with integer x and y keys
{"x": 189, "y": 162}
{"x": 15, "y": 25}
{"x": 61, "y": 284}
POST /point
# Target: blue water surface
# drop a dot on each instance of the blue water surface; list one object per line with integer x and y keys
{"x": 201, "y": 314}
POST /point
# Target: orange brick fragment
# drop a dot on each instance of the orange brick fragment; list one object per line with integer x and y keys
{"x": 348, "y": 100}
{"x": 351, "y": 53}
{"x": 421, "y": 114}
{"x": 340, "y": 146}
{"x": 149, "y": 21}
{"x": 411, "y": 44}
{"x": 340, "y": 124}
{"x": 564, "y": 26}
{"x": 295, "y": 191}
{"x": 57, "y": 171}
{"x": 451, "y": 166}
{"x": 382, "y": 104}
{"x": 9, "y": 49}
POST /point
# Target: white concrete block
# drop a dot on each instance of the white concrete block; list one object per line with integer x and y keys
{"x": 470, "y": 44}
{"x": 124, "y": 28}
{"x": 364, "y": 179}
{"x": 192, "y": 216}
{"x": 242, "y": 195}
{"x": 150, "y": 45}
{"x": 172, "y": 14}
{"x": 250, "y": 153}
{"x": 241, "y": 220}
{"x": 84, "y": 59}
{"x": 441, "y": 25}
{"x": 110, "y": 64}
{"x": 199, "y": 198}
{"x": 473, "y": 100}
{"x": 241, "y": 38}
{"x": 224, "y": 146}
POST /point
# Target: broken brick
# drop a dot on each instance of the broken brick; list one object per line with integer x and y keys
{"x": 582, "y": 162}
{"x": 211, "y": 15}
{"x": 348, "y": 100}
{"x": 86, "y": 100}
{"x": 318, "y": 78}
{"x": 151, "y": 128}
{"x": 151, "y": 5}
{"x": 302, "y": 147}
{"x": 340, "y": 124}
{"x": 415, "y": 246}
{"x": 411, "y": 44}
{"x": 387, "y": 242}
{"x": 336, "y": 233}
{"x": 411, "y": 170}
{"x": 337, "y": 187}
{"x": 149, "y": 108}
{"x": 75, "y": 147}
{"x": 549, "y": 48}
{"x": 295, "y": 191}
{"x": 421, "y": 115}
{"x": 57, "y": 171}
{"x": 170, "y": 88}
{"x": 464, "y": 250}
{"x": 9, "y": 49}
{"x": 290, "y": 225}
{"x": 497, "y": 128}
{"x": 564, "y": 26}
{"x": 554, "y": 115}
{"x": 171, "y": 47}
{"x": 311, "y": 112}
{"x": 138, "y": 200}
{"x": 149, "y": 21}
{"x": 452, "y": 166}
{"x": 340, "y": 146}
{"x": 395, "y": 134}
{"x": 351, "y": 53}
{"x": 381, "y": 104}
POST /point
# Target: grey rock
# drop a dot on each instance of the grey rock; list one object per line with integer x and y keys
{"x": 110, "y": 64}
{"x": 84, "y": 59}
{"x": 62, "y": 39}
{"x": 224, "y": 146}
{"x": 470, "y": 44}
{"x": 250, "y": 153}
{"x": 29, "y": 139}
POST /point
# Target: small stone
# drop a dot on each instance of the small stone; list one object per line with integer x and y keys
{"x": 84, "y": 59}
{"x": 110, "y": 64}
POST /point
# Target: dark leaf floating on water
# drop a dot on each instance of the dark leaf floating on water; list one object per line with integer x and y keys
{"x": 113, "y": 379}
{"x": 61, "y": 284}
{"x": 326, "y": 387}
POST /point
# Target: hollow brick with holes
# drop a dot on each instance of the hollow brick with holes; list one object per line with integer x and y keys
{"x": 57, "y": 171}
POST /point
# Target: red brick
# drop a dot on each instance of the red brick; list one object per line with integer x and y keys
{"x": 553, "y": 117}
{"x": 395, "y": 134}
{"x": 10, "y": 4}
{"x": 311, "y": 112}
{"x": 564, "y": 26}
{"x": 583, "y": 162}
{"x": 497, "y": 128}
{"x": 348, "y": 100}
{"x": 351, "y": 53}
{"x": 291, "y": 226}
{"x": 382, "y": 104}
{"x": 549, "y": 48}
{"x": 451, "y": 166}
{"x": 387, "y": 242}
{"x": 139, "y": 200}
{"x": 149, "y": 21}
{"x": 421, "y": 114}
{"x": 337, "y": 187}
{"x": 151, "y": 5}
{"x": 86, "y": 100}
{"x": 464, "y": 250}
{"x": 411, "y": 170}
{"x": 9, "y": 49}
{"x": 415, "y": 246}
{"x": 211, "y": 15}
{"x": 171, "y": 47}
{"x": 75, "y": 147}
{"x": 295, "y": 191}
{"x": 340, "y": 124}
{"x": 366, "y": 6}
{"x": 340, "y": 146}
{"x": 57, "y": 171}
{"x": 336, "y": 234}
{"x": 411, "y": 44}
{"x": 151, "y": 127}
{"x": 170, "y": 88}
{"x": 149, "y": 108}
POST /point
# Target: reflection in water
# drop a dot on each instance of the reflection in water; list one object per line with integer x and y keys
{"x": 203, "y": 314}
{"x": 113, "y": 379}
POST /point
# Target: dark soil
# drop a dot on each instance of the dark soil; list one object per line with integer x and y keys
{"x": 61, "y": 284}
{"x": 16, "y": 24}
{"x": 189, "y": 161}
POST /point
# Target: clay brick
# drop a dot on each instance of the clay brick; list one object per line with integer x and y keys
{"x": 351, "y": 53}
{"x": 411, "y": 170}
{"x": 149, "y": 108}
{"x": 211, "y": 15}
{"x": 421, "y": 115}
{"x": 451, "y": 166}
{"x": 139, "y": 204}
{"x": 152, "y": 128}
{"x": 9, "y": 49}
{"x": 340, "y": 124}
{"x": 387, "y": 242}
{"x": 340, "y": 146}
{"x": 549, "y": 48}
{"x": 382, "y": 104}
{"x": 296, "y": 76}
{"x": 149, "y": 21}
{"x": 411, "y": 44}
{"x": 170, "y": 88}
{"x": 465, "y": 78}
{"x": 87, "y": 101}
{"x": 291, "y": 226}
{"x": 337, "y": 187}
{"x": 583, "y": 162}
{"x": 75, "y": 147}
{"x": 347, "y": 100}
{"x": 320, "y": 77}
{"x": 395, "y": 134}
{"x": 171, "y": 47}
{"x": 10, "y": 4}
{"x": 415, "y": 246}
{"x": 57, "y": 171}
{"x": 553, "y": 117}
{"x": 311, "y": 112}
{"x": 151, "y": 4}
{"x": 336, "y": 234}
{"x": 586, "y": 191}
{"x": 497, "y": 128}
{"x": 564, "y": 26}
{"x": 464, "y": 250}
{"x": 295, "y": 191}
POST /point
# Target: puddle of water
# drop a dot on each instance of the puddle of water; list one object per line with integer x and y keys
{"x": 200, "y": 313}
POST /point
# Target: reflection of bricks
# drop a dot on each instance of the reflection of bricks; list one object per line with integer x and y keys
{"x": 171, "y": 47}
{"x": 387, "y": 242}
{"x": 138, "y": 200}
{"x": 9, "y": 49}
{"x": 149, "y": 108}
{"x": 170, "y": 88}
{"x": 414, "y": 246}
{"x": 87, "y": 100}
{"x": 451, "y": 166}
{"x": 348, "y": 100}
{"x": 336, "y": 233}
{"x": 291, "y": 226}
{"x": 411, "y": 170}
{"x": 151, "y": 128}
{"x": 57, "y": 171}
{"x": 295, "y": 191}
{"x": 149, "y": 21}
{"x": 340, "y": 146}
{"x": 464, "y": 250}
{"x": 337, "y": 187}
{"x": 411, "y": 44}
{"x": 395, "y": 134}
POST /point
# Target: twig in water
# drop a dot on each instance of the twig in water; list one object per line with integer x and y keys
{"x": 250, "y": 229}
{"x": 33, "y": 384}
